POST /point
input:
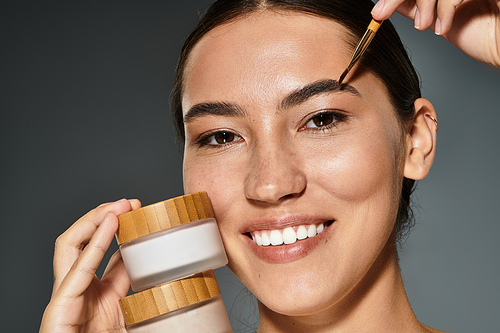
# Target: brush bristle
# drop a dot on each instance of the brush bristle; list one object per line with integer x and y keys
{"x": 342, "y": 77}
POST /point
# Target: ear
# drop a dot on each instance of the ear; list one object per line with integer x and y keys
{"x": 421, "y": 141}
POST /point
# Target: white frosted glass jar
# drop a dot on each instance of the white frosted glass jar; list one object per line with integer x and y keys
{"x": 170, "y": 240}
{"x": 192, "y": 304}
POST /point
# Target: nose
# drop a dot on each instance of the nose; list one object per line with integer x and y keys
{"x": 275, "y": 174}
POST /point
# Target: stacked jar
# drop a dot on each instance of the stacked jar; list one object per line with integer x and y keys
{"x": 169, "y": 250}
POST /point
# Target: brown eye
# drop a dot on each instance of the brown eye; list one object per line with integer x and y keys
{"x": 322, "y": 119}
{"x": 223, "y": 137}
{"x": 218, "y": 139}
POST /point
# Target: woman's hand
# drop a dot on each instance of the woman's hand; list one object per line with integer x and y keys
{"x": 81, "y": 302}
{"x": 471, "y": 25}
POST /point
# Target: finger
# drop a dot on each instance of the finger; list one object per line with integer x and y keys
{"x": 131, "y": 201}
{"x": 134, "y": 203}
{"x": 70, "y": 244}
{"x": 384, "y": 9}
{"x": 445, "y": 13}
{"x": 425, "y": 14}
{"x": 83, "y": 270}
{"x": 408, "y": 9}
{"x": 421, "y": 11}
{"x": 115, "y": 275}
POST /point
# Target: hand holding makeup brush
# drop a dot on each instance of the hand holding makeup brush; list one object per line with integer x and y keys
{"x": 471, "y": 25}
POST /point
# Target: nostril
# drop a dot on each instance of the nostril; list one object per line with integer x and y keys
{"x": 292, "y": 195}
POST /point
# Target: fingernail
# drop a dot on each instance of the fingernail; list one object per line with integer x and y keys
{"x": 378, "y": 7}
{"x": 437, "y": 28}
{"x": 417, "y": 19}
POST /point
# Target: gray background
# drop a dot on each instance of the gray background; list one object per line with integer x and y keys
{"x": 85, "y": 119}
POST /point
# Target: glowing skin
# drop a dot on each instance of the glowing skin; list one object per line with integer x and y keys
{"x": 280, "y": 165}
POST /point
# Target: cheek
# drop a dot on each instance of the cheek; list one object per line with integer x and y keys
{"x": 354, "y": 171}
{"x": 220, "y": 179}
{"x": 198, "y": 176}
{"x": 193, "y": 178}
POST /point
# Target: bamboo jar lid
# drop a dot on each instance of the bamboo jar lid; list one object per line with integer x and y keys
{"x": 169, "y": 297}
{"x": 163, "y": 215}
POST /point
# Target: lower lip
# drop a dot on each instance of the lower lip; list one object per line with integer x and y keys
{"x": 290, "y": 252}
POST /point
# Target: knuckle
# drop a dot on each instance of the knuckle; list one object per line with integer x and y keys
{"x": 60, "y": 241}
{"x": 100, "y": 248}
{"x": 86, "y": 270}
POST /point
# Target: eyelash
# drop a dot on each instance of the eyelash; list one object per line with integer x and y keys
{"x": 205, "y": 139}
{"x": 337, "y": 118}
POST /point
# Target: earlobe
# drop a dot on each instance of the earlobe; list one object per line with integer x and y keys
{"x": 421, "y": 141}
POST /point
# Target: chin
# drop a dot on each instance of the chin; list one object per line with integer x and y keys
{"x": 300, "y": 304}
{"x": 290, "y": 291}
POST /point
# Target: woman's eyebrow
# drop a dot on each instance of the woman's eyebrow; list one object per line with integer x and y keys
{"x": 295, "y": 98}
{"x": 214, "y": 109}
{"x": 302, "y": 94}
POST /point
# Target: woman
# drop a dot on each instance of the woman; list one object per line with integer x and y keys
{"x": 280, "y": 146}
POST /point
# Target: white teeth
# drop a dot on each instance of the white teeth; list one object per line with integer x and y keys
{"x": 311, "y": 232}
{"x": 258, "y": 239}
{"x": 265, "y": 239}
{"x": 287, "y": 235}
{"x": 301, "y": 232}
{"x": 276, "y": 237}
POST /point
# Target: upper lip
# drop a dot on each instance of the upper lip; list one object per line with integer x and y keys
{"x": 282, "y": 221}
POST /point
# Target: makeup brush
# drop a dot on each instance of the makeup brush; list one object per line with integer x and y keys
{"x": 362, "y": 46}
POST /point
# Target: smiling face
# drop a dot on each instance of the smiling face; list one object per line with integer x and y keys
{"x": 282, "y": 150}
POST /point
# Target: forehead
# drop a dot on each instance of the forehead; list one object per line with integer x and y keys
{"x": 265, "y": 51}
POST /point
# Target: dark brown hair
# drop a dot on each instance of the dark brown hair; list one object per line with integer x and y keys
{"x": 386, "y": 58}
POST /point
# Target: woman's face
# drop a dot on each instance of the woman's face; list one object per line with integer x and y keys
{"x": 281, "y": 151}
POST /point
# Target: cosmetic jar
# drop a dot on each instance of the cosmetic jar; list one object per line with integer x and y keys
{"x": 191, "y": 304}
{"x": 170, "y": 240}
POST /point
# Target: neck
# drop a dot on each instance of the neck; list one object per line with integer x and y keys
{"x": 377, "y": 304}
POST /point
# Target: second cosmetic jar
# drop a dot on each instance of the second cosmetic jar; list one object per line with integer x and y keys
{"x": 170, "y": 240}
{"x": 188, "y": 305}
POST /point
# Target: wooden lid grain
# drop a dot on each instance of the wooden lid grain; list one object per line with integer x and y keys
{"x": 169, "y": 297}
{"x": 163, "y": 215}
